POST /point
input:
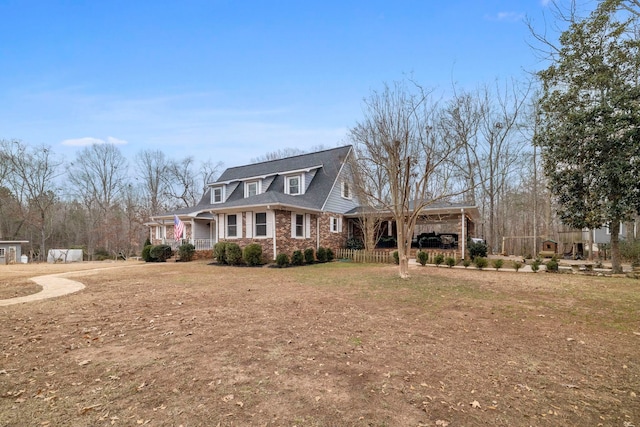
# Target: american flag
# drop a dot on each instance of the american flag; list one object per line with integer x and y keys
{"x": 178, "y": 230}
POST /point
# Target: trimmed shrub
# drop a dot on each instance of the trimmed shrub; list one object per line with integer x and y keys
{"x": 354, "y": 243}
{"x": 480, "y": 262}
{"x": 396, "y": 257}
{"x": 477, "y": 249}
{"x": 450, "y": 261}
{"x": 146, "y": 243}
{"x": 146, "y": 255}
{"x": 466, "y": 262}
{"x": 186, "y": 251}
{"x": 252, "y": 254}
{"x": 282, "y": 260}
{"x": 233, "y": 254}
{"x": 330, "y": 255}
{"x": 309, "y": 256}
{"x": 423, "y": 257}
{"x": 497, "y": 263}
{"x": 321, "y": 254}
{"x": 160, "y": 253}
{"x": 297, "y": 258}
{"x": 219, "y": 252}
{"x": 517, "y": 265}
{"x": 535, "y": 265}
{"x": 552, "y": 265}
{"x": 438, "y": 259}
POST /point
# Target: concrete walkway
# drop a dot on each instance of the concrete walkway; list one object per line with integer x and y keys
{"x": 52, "y": 286}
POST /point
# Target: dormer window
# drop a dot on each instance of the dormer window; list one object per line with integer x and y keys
{"x": 217, "y": 195}
{"x": 293, "y": 185}
{"x": 251, "y": 188}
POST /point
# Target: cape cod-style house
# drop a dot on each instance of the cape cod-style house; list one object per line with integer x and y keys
{"x": 296, "y": 203}
{"x": 287, "y": 204}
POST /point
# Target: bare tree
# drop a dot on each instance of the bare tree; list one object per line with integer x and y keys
{"x": 397, "y": 137}
{"x": 99, "y": 176}
{"x": 181, "y": 184}
{"x": 209, "y": 172}
{"x": 33, "y": 176}
{"x": 151, "y": 166}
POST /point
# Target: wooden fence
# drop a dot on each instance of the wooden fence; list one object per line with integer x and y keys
{"x": 386, "y": 256}
{"x": 380, "y": 257}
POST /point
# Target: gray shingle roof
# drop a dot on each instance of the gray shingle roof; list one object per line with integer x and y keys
{"x": 329, "y": 162}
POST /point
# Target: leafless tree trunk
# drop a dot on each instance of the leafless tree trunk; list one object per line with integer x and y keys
{"x": 99, "y": 176}
{"x": 33, "y": 174}
{"x": 397, "y": 139}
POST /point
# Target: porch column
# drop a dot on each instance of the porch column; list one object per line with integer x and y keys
{"x": 464, "y": 234}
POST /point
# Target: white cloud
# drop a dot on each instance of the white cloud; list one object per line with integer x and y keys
{"x": 506, "y": 17}
{"x": 545, "y": 2}
{"x": 88, "y": 140}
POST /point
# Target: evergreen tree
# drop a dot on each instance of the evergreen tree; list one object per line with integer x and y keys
{"x": 589, "y": 126}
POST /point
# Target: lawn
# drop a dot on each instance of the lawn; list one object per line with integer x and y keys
{"x": 336, "y": 344}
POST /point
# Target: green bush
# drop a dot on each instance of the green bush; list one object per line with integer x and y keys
{"x": 309, "y": 256}
{"x": 233, "y": 254}
{"x": 396, "y": 257}
{"x": 450, "y": 261}
{"x": 438, "y": 259}
{"x": 186, "y": 252}
{"x": 552, "y": 265}
{"x": 321, "y": 254}
{"x": 535, "y": 265}
{"x": 330, "y": 255}
{"x": 282, "y": 260}
{"x": 477, "y": 249}
{"x": 146, "y": 255}
{"x": 252, "y": 254}
{"x": 481, "y": 262}
{"x": 354, "y": 243}
{"x": 517, "y": 265}
{"x": 160, "y": 253}
{"x": 423, "y": 257}
{"x": 297, "y": 258}
{"x": 497, "y": 263}
{"x": 219, "y": 252}
{"x": 466, "y": 262}
{"x": 146, "y": 243}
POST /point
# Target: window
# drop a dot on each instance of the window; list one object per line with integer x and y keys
{"x": 293, "y": 185}
{"x": 251, "y": 188}
{"x": 346, "y": 190}
{"x": 336, "y": 225}
{"x": 1, "y": 251}
{"x": 261, "y": 224}
{"x": 299, "y": 225}
{"x": 217, "y": 195}
{"x": 232, "y": 225}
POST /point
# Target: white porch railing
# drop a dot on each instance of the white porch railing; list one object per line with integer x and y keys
{"x": 200, "y": 244}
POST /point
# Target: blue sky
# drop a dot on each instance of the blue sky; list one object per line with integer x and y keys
{"x": 232, "y": 80}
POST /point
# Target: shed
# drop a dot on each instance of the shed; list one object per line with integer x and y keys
{"x": 549, "y": 248}
{"x": 11, "y": 251}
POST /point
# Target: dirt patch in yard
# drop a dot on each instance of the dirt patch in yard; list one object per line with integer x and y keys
{"x": 336, "y": 344}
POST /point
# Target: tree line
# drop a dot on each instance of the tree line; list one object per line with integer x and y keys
{"x": 99, "y": 201}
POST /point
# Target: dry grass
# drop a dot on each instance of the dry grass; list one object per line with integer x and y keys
{"x": 337, "y": 344}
